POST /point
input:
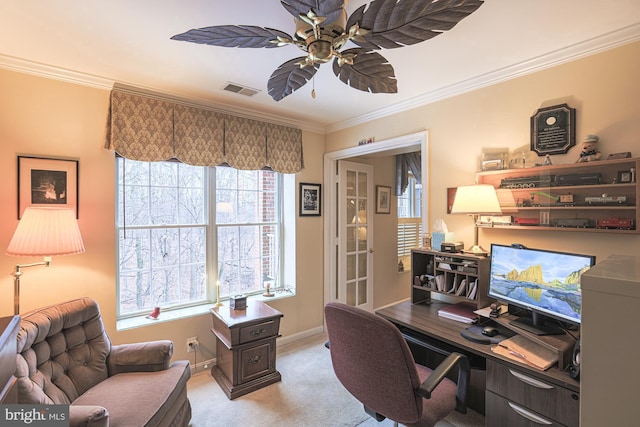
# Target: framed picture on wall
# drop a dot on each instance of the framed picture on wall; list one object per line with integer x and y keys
{"x": 47, "y": 182}
{"x": 383, "y": 199}
{"x": 310, "y": 199}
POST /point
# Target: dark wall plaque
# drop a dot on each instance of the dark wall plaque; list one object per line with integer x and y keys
{"x": 553, "y": 130}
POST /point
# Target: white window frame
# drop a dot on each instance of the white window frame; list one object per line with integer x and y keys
{"x": 287, "y": 257}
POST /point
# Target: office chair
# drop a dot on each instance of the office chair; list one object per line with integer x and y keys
{"x": 373, "y": 362}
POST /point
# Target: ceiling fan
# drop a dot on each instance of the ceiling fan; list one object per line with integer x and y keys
{"x": 322, "y": 30}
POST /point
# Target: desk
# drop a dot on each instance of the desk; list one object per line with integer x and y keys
{"x": 513, "y": 391}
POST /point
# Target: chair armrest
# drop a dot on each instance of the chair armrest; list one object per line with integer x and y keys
{"x": 441, "y": 371}
{"x": 140, "y": 357}
{"x": 88, "y": 416}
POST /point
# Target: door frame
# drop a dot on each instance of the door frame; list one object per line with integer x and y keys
{"x": 389, "y": 147}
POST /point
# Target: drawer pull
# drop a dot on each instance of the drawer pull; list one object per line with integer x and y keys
{"x": 529, "y": 415}
{"x": 530, "y": 381}
{"x": 258, "y": 332}
{"x": 255, "y": 359}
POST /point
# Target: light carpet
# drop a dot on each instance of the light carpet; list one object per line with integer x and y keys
{"x": 308, "y": 395}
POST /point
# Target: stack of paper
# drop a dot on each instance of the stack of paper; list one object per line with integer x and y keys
{"x": 526, "y": 351}
{"x": 473, "y": 289}
{"x": 462, "y": 312}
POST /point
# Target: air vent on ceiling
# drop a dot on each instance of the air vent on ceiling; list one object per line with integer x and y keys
{"x": 242, "y": 90}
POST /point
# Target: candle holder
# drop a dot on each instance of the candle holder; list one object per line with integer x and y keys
{"x": 268, "y": 292}
{"x": 218, "y": 303}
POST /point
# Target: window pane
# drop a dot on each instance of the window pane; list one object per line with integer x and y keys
{"x": 135, "y": 250}
{"x": 164, "y": 174}
{"x": 163, "y": 205}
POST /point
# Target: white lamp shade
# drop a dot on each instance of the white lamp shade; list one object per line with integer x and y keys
{"x": 476, "y": 199}
{"x": 46, "y": 232}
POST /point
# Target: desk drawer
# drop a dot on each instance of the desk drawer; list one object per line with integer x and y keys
{"x": 503, "y": 413}
{"x": 259, "y": 331}
{"x": 521, "y": 388}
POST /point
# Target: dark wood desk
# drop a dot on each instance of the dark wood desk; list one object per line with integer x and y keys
{"x": 515, "y": 393}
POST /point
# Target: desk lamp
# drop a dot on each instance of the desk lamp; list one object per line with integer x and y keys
{"x": 43, "y": 232}
{"x": 476, "y": 200}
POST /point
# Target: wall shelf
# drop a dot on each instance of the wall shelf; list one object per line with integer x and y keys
{"x": 536, "y": 198}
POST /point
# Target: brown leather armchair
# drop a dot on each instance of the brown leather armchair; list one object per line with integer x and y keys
{"x": 66, "y": 357}
{"x": 374, "y": 363}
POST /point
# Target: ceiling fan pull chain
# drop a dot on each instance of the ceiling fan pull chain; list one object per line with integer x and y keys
{"x": 313, "y": 88}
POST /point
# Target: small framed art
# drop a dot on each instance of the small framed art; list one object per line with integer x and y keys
{"x": 383, "y": 199}
{"x": 47, "y": 182}
{"x": 624, "y": 177}
{"x": 310, "y": 199}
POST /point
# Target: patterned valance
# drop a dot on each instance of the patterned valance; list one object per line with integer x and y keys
{"x": 150, "y": 129}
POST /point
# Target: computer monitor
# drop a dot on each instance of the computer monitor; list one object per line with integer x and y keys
{"x": 544, "y": 282}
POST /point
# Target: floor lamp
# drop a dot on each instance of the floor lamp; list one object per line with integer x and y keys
{"x": 43, "y": 232}
{"x": 476, "y": 200}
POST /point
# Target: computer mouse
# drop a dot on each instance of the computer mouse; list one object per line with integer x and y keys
{"x": 490, "y": 331}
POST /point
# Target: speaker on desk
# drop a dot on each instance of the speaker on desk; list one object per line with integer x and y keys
{"x": 574, "y": 367}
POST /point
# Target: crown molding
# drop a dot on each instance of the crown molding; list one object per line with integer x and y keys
{"x": 69, "y": 76}
{"x": 579, "y": 50}
{"x": 551, "y": 59}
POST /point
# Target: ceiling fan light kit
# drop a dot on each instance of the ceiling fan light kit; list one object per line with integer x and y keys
{"x": 323, "y": 29}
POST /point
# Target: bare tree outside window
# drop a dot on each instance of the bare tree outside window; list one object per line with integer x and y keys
{"x": 164, "y": 218}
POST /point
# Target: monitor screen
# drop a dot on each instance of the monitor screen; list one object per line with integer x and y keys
{"x": 545, "y": 282}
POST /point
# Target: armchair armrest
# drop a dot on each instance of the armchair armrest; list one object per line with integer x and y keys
{"x": 448, "y": 364}
{"x": 88, "y": 416}
{"x": 140, "y": 357}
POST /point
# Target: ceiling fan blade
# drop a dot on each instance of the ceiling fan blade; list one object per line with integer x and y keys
{"x": 233, "y": 36}
{"x": 394, "y": 23}
{"x": 370, "y": 72}
{"x": 331, "y": 9}
{"x": 290, "y": 77}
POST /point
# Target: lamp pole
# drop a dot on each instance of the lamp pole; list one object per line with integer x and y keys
{"x": 16, "y": 281}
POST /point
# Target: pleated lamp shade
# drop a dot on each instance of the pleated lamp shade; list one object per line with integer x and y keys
{"x": 44, "y": 231}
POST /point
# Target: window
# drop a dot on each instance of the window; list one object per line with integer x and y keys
{"x": 409, "y": 221}
{"x": 182, "y": 228}
{"x": 248, "y": 230}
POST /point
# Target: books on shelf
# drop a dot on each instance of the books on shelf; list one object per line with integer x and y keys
{"x": 462, "y": 287}
{"x": 462, "y": 312}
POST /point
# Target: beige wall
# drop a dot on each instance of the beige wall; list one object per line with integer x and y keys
{"x": 40, "y": 116}
{"x": 51, "y": 118}
{"x": 604, "y": 89}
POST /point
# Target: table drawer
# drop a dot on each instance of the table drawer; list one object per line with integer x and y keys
{"x": 257, "y": 361}
{"x": 259, "y": 331}
{"x": 521, "y": 388}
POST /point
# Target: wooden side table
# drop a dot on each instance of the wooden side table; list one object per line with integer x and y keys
{"x": 9, "y": 327}
{"x": 245, "y": 347}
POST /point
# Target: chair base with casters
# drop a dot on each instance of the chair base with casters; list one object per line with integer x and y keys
{"x": 373, "y": 362}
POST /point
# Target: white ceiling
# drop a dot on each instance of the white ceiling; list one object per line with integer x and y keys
{"x": 102, "y": 42}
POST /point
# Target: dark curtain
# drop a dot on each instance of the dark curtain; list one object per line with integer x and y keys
{"x": 405, "y": 163}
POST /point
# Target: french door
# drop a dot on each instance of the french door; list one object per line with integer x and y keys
{"x": 354, "y": 228}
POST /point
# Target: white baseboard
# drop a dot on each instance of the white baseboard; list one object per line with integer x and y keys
{"x": 300, "y": 335}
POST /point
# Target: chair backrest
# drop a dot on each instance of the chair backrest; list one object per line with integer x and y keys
{"x": 62, "y": 352}
{"x": 372, "y": 360}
